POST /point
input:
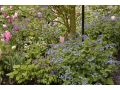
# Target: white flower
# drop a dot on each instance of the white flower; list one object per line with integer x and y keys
{"x": 39, "y": 15}
{"x": 2, "y": 35}
{"x": 15, "y": 15}
{"x": 11, "y": 7}
{"x": 113, "y": 18}
{"x": 25, "y": 44}
{"x": 13, "y": 47}
{"x": 57, "y": 19}
{"x": 7, "y": 31}
{"x": 4, "y": 26}
{"x": 2, "y": 40}
{"x": 2, "y": 9}
{"x": 7, "y": 16}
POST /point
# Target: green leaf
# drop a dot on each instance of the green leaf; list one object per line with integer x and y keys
{"x": 16, "y": 66}
{"x": 110, "y": 81}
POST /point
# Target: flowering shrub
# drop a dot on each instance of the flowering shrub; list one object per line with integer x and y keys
{"x": 38, "y": 71}
{"x": 39, "y": 46}
{"x": 26, "y": 45}
{"x": 88, "y": 62}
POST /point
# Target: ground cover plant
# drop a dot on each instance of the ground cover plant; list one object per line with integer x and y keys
{"x": 45, "y": 45}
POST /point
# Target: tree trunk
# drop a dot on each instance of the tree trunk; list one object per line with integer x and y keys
{"x": 72, "y": 22}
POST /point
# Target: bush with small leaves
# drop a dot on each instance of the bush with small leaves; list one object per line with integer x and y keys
{"x": 86, "y": 62}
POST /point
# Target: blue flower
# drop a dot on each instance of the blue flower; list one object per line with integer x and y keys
{"x": 101, "y": 48}
{"x": 101, "y": 35}
{"x": 110, "y": 61}
{"x": 107, "y": 46}
{"x": 53, "y": 72}
{"x": 84, "y": 37}
{"x": 62, "y": 76}
{"x": 99, "y": 41}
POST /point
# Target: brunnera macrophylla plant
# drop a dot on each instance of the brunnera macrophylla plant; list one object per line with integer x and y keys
{"x": 34, "y": 49}
{"x": 40, "y": 71}
{"x": 92, "y": 61}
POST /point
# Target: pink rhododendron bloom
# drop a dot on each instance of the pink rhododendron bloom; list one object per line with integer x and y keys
{"x": 62, "y": 39}
{"x": 7, "y": 36}
{"x": 10, "y": 19}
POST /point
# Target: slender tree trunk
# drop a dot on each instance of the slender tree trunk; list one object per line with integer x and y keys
{"x": 72, "y": 22}
{"x": 68, "y": 14}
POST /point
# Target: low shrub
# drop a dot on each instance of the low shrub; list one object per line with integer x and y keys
{"x": 88, "y": 62}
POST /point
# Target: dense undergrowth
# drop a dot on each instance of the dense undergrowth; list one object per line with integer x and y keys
{"x": 30, "y": 51}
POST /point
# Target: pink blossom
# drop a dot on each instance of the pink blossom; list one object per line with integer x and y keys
{"x": 7, "y": 36}
{"x": 10, "y": 19}
{"x": 7, "y": 17}
{"x": 62, "y": 39}
{"x": 15, "y": 15}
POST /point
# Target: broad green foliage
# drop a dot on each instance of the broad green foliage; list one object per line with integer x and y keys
{"x": 38, "y": 71}
{"x": 88, "y": 62}
{"x": 26, "y": 51}
{"x": 30, "y": 52}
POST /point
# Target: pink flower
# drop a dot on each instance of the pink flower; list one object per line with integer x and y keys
{"x": 15, "y": 15}
{"x": 62, "y": 39}
{"x": 7, "y": 36}
{"x": 1, "y": 9}
{"x": 10, "y": 19}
